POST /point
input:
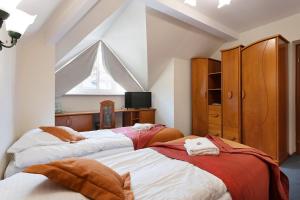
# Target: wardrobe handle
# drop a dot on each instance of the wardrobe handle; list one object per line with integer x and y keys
{"x": 214, "y": 115}
{"x": 243, "y": 94}
{"x": 229, "y": 94}
{"x": 205, "y": 94}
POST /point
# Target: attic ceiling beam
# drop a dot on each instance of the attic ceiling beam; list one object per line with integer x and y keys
{"x": 65, "y": 17}
{"x": 191, "y": 16}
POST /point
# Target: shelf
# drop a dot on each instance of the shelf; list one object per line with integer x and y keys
{"x": 215, "y": 89}
{"x": 215, "y": 74}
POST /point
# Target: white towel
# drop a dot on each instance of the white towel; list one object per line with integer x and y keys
{"x": 142, "y": 127}
{"x": 200, "y": 146}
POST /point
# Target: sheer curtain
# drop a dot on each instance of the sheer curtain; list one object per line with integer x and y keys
{"x": 118, "y": 71}
{"x": 76, "y": 71}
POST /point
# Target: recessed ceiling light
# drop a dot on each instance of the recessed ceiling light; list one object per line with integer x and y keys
{"x": 223, "y": 3}
{"x": 191, "y": 2}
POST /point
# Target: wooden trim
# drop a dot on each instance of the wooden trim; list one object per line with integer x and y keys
{"x": 267, "y": 38}
{"x": 297, "y": 99}
{"x": 206, "y": 59}
{"x": 97, "y": 112}
{"x": 239, "y": 46}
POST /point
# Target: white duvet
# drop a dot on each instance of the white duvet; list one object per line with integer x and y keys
{"x": 153, "y": 177}
{"x": 96, "y": 141}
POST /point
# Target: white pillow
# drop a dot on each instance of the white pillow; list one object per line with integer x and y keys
{"x": 141, "y": 127}
{"x": 32, "y": 138}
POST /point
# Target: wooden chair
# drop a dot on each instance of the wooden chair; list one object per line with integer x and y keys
{"x": 107, "y": 114}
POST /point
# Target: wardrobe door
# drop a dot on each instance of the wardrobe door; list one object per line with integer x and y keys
{"x": 259, "y": 94}
{"x": 199, "y": 96}
{"x": 231, "y": 87}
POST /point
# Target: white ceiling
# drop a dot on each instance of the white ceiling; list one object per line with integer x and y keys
{"x": 242, "y": 15}
{"x": 42, "y": 8}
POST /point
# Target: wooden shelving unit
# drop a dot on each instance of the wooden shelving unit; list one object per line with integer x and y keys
{"x": 214, "y": 85}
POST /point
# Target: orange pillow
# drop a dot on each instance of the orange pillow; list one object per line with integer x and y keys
{"x": 88, "y": 177}
{"x": 61, "y": 133}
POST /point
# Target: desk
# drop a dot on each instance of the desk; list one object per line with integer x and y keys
{"x": 87, "y": 121}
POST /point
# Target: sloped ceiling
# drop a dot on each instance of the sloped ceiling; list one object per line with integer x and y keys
{"x": 168, "y": 37}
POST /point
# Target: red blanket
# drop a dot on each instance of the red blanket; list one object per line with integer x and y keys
{"x": 247, "y": 173}
{"x": 139, "y": 138}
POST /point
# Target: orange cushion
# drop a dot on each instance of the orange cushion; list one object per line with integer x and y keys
{"x": 165, "y": 135}
{"x": 61, "y": 133}
{"x": 88, "y": 177}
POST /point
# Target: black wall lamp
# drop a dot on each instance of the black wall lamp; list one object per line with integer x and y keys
{"x": 17, "y": 22}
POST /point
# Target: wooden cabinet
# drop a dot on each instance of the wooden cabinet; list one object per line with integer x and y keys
{"x": 133, "y": 116}
{"x": 264, "y": 94}
{"x": 199, "y": 96}
{"x": 215, "y": 120}
{"x": 147, "y": 116}
{"x": 77, "y": 122}
{"x": 206, "y": 90}
{"x": 87, "y": 121}
{"x": 231, "y": 93}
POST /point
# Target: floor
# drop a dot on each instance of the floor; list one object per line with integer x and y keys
{"x": 291, "y": 167}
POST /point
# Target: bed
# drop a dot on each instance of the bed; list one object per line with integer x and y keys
{"x": 153, "y": 176}
{"x": 30, "y": 150}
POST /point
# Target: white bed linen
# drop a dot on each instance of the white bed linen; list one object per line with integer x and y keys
{"x": 96, "y": 141}
{"x": 12, "y": 169}
{"x": 153, "y": 177}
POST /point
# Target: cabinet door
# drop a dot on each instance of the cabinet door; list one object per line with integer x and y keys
{"x": 259, "y": 104}
{"x": 147, "y": 116}
{"x": 82, "y": 122}
{"x": 199, "y": 96}
{"x": 62, "y": 121}
{"x": 231, "y": 94}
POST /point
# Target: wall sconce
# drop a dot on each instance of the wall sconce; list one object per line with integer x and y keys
{"x": 16, "y": 22}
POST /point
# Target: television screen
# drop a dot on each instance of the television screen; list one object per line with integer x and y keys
{"x": 137, "y": 99}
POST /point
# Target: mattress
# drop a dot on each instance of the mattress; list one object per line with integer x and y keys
{"x": 153, "y": 176}
{"x": 12, "y": 169}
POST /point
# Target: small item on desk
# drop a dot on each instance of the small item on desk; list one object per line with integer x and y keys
{"x": 200, "y": 146}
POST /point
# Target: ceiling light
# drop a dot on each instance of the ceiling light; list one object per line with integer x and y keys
{"x": 223, "y": 3}
{"x": 9, "y": 5}
{"x": 191, "y": 2}
{"x": 17, "y": 21}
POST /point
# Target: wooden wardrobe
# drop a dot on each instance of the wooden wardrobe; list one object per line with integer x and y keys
{"x": 265, "y": 96}
{"x": 231, "y": 93}
{"x": 206, "y": 97}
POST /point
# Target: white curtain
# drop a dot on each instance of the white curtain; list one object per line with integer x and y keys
{"x": 76, "y": 71}
{"x": 118, "y": 71}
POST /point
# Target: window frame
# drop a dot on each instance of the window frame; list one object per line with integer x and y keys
{"x": 97, "y": 92}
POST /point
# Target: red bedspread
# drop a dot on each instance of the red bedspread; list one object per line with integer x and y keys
{"x": 139, "y": 138}
{"x": 248, "y": 174}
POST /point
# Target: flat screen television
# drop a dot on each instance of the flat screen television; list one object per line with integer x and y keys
{"x": 137, "y": 99}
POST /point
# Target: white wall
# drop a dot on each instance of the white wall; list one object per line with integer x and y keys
{"x": 287, "y": 27}
{"x": 94, "y": 18}
{"x": 171, "y": 96}
{"x": 182, "y": 95}
{"x": 163, "y": 96}
{"x": 127, "y": 37}
{"x": 168, "y": 37}
{"x": 7, "y": 83}
{"x": 34, "y": 83}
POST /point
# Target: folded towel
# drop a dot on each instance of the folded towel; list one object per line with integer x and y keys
{"x": 200, "y": 146}
{"x": 142, "y": 127}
